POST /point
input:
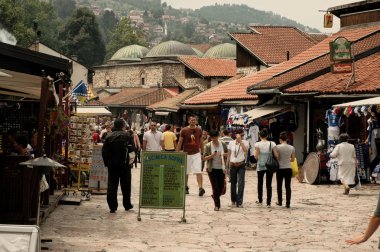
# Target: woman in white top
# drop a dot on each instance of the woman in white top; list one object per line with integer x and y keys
{"x": 237, "y": 151}
{"x": 214, "y": 154}
{"x": 345, "y": 153}
{"x": 286, "y": 154}
{"x": 262, "y": 151}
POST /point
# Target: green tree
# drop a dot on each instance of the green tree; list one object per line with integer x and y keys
{"x": 107, "y": 23}
{"x": 188, "y": 29}
{"x": 64, "y": 8}
{"x": 108, "y": 20}
{"x": 124, "y": 35}
{"x": 158, "y": 13}
{"x": 18, "y": 18}
{"x": 82, "y": 38}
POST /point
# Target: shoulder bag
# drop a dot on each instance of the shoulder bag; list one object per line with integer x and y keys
{"x": 271, "y": 164}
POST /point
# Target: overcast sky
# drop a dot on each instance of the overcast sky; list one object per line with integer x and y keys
{"x": 305, "y": 12}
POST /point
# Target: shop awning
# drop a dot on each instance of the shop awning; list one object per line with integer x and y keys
{"x": 370, "y": 101}
{"x": 240, "y": 102}
{"x": 20, "y": 84}
{"x": 93, "y": 111}
{"x": 161, "y": 113}
{"x": 266, "y": 110}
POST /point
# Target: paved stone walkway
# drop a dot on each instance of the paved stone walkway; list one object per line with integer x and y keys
{"x": 321, "y": 218}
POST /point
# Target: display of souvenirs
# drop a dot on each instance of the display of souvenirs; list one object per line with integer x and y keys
{"x": 80, "y": 138}
{"x": 375, "y": 176}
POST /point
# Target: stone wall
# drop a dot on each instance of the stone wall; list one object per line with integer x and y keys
{"x": 202, "y": 84}
{"x": 130, "y": 75}
{"x": 172, "y": 72}
{"x": 247, "y": 70}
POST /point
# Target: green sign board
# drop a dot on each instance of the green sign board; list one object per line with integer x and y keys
{"x": 340, "y": 49}
{"x": 162, "y": 179}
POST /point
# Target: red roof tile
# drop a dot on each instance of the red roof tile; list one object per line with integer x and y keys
{"x": 367, "y": 79}
{"x": 318, "y": 37}
{"x": 138, "y": 97}
{"x": 172, "y": 104}
{"x": 210, "y": 67}
{"x": 271, "y": 43}
{"x": 363, "y": 43}
{"x": 201, "y": 47}
{"x": 231, "y": 89}
{"x": 307, "y": 61}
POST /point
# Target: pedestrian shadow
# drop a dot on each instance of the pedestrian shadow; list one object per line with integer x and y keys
{"x": 359, "y": 194}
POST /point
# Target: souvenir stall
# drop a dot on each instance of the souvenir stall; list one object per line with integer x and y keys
{"x": 86, "y": 165}
{"x": 32, "y": 85}
{"x": 276, "y": 118}
{"x": 361, "y": 123}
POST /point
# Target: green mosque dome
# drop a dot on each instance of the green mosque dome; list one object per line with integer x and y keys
{"x": 170, "y": 49}
{"x": 199, "y": 53}
{"x": 130, "y": 53}
{"x": 225, "y": 50}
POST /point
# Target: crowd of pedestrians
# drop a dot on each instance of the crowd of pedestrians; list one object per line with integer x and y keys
{"x": 218, "y": 154}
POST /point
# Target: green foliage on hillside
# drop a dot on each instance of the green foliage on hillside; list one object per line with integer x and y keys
{"x": 124, "y": 35}
{"x": 242, "y": 14}
{"x": 82, "y": 37}
{"x": 19, "y": 17}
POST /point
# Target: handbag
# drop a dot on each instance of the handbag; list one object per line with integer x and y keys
{"x": 294, "y": 166}
{"x": 271, "y": 164}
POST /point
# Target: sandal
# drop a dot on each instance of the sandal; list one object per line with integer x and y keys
{"x": 216, "y": 209}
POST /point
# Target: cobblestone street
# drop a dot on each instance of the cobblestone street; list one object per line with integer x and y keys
{"x": 321, "y": 218}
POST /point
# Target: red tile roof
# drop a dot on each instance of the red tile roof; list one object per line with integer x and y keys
{"x": 201, "y": 47}
{"x": 138, "y": 97}
{"x": 210, "y": 67}
{"x": 367, "y": 79}
{"x": 301, "y": 65}
{"x": 270, "y": 43}
{"x": 227, "y": 90}
{"x": 318, "y": 37}
{"x": 172, "y": 104}
{"x": 317, "y": 58}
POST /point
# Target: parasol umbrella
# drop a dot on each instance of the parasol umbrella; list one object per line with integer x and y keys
{"x": 2, "y": 74}
{"x": 42, "y": 161}
{"x": 45, "y": 162}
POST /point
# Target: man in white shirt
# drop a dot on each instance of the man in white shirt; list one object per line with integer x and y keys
{"x": 153, "y": 139}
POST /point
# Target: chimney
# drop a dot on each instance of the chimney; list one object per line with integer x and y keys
{"x": 287, "y": 55}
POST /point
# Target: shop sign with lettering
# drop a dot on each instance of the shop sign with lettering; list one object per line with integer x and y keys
{"x": 340, "y": 49}
{"x": 162, "y": 179}
{"x": 341, "y": 67}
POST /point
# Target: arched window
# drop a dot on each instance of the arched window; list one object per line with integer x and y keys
{"x": 142, "y": 78}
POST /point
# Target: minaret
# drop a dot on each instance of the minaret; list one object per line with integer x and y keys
{"x": 166, "y": 29}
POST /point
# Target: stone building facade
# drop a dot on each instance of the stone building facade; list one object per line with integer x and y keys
{"x": 146, "y": 75}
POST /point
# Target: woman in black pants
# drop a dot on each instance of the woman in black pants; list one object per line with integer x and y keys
{"x": 262, "y": 150}
{"x": 214, "y": 155}
{"x": 286, "y": 155}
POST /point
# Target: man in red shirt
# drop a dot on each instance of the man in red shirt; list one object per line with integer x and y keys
{"x": 191, "y": 141}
